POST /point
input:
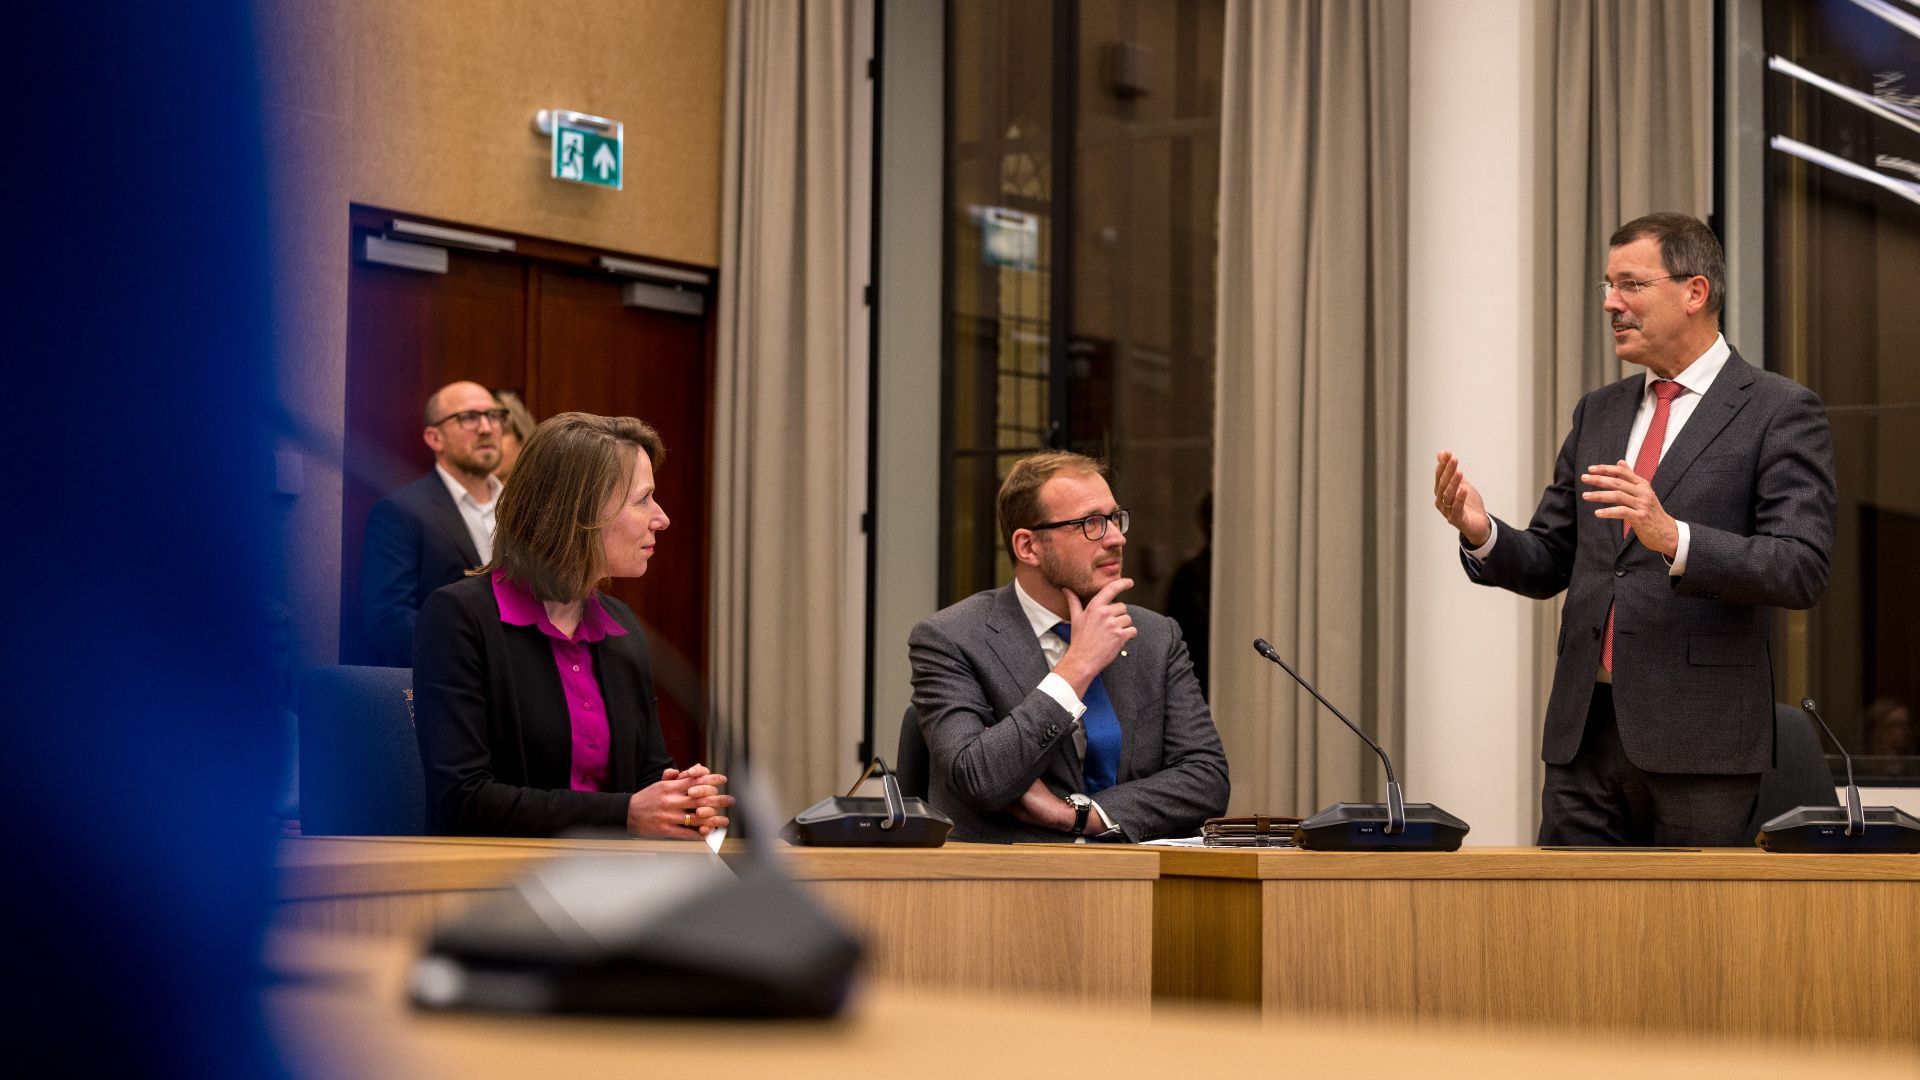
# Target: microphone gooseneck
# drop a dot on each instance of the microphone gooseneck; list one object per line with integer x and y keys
{"x": 1260, "y": 646}
{"x": 1856, "y": 815}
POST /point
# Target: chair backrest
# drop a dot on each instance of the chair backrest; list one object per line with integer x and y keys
{"x": 359, "y": 764}
{"x": 1800, "y": 776}
{"x": 911, "y": 764}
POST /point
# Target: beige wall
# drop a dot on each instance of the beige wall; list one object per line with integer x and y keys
{"x": 427, "y": 106}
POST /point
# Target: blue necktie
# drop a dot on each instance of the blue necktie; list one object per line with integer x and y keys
{"x": 1102, "y": 725}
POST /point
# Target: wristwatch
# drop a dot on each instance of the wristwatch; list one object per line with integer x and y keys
{"x": 1082, "y": 806}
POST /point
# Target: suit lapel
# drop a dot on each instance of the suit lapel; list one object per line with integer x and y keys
{"x": 1615, "y": 423}
{"x": 1012, "y": 640}
{"x": 1722, "y": 402}
{"x": 446, "y": 515}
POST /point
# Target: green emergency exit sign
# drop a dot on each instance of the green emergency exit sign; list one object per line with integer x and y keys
{"x": 586, "y": 149}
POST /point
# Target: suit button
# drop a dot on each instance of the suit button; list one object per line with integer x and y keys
{"x": 1052, "y": 730}
{"x": 1620, "y": 572}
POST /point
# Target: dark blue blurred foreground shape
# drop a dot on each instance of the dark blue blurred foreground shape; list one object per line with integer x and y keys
{"x": 140, "y": 747}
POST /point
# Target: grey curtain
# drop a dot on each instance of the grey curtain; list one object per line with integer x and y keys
{"x": 1625, "y": 92}
{"x": 1311, "y": 376}
{"x": 783, "y": 429}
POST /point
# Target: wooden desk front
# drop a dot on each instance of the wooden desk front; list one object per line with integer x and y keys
{"x": 1076, "y": 923}
{"x": 343, "y": 1013}
{"x": 1722, "y": 942}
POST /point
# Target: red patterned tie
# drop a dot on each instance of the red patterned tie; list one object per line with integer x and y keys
{"x": 1644, "y": 463}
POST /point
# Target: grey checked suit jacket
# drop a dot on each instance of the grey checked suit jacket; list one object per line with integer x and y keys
{"x": 1751, "y": 474}
{"x": 991, "y": 730}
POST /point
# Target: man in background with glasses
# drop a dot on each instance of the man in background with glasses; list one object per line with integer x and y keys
{"x": 1051, "y": 710}
{"x": 431, "y": 532}
{"x": 1687, "y": 503}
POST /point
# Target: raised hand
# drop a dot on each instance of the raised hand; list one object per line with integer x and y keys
{"x": 1628, "y": 498}
{"x": 1459, "y": 501}
{"x": 1100, "y": 630}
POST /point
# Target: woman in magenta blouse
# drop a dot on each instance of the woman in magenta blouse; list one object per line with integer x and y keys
{"x": 533, "y": 694}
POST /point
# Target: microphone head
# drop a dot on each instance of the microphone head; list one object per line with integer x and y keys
{"x": 1260, "y": 646}
{"x": 1806, "y": 703}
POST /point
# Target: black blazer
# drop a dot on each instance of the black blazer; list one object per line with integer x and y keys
{"x": 495, "y": 741}
{"x": 1752, "y": 476}
{"x": 416, "y": 542}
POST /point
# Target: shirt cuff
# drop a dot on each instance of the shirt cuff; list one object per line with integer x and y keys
{"x": 1061, "y": 691}
{"x": 1677, "y": 565}
{"x": 1104, "y": 819}
{"x": 1481, "y": 552}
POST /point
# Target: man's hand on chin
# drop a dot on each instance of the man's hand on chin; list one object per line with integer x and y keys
{"x": 1040, "y": 807}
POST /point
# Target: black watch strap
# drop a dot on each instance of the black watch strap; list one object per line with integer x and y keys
{"x": 1082, "y": 806}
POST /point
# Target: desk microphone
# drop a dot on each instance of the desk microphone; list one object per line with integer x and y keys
{"x": 1807, "y": 829}
{"x": 1391, "y": 826}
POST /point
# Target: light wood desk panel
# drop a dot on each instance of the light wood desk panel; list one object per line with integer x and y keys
{"x": 1076, "y": 923}
{"x": 1721, "y": 942}
{"x": 344, "y": 1014}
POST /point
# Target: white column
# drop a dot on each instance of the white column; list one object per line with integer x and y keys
{"x": 907, "y": 509}
{"x": 1472, "y": 231}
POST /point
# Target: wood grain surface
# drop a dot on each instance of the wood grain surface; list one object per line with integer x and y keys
{"x": 1721, "y": 943}
{"x": 1073, "y": 922}
{"x": 339, "y": 1010}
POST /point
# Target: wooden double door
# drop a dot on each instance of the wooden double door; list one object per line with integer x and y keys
{"x": 549, "y": 320}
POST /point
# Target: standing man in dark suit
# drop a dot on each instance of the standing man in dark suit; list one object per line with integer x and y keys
{"x": 431, "y": 532}
{"x": 1661, "y": 716}
{"x": 1051, "y": 711}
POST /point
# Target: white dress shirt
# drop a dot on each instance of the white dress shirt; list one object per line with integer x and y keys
{"x": 1694, "y": 382}
{"x": 1057, "y": 688}
{"x": 477, "y": 515}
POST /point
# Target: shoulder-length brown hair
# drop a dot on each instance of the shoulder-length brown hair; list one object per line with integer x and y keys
{"x": 547, "y": 530}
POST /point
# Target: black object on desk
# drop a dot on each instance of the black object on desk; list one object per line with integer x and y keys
{"x": 893, "y": 820}
{"x": 1395, "y": 825}
{"x": 1850, "y": 828}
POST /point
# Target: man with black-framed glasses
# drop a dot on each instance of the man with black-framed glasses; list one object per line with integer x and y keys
{"x": 1051, "y": 710}
{"x": 1661, "y": 718}
{"x": 431, "y": 532}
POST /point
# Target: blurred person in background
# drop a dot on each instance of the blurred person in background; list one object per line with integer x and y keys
{"x": 514, "y": 436}
{"x": 434, "y": 530}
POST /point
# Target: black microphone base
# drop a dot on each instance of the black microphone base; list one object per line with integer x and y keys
{"x": 1363, "y": 827}
{"x": 1807, "y": 830}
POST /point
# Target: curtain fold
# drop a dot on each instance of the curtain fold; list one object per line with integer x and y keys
{"x": 1310, "y": 410}
{"x": 1625, "y": 96}
{"x": 783, "y": 423}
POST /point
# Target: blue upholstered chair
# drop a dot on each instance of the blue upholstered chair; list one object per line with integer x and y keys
{"x": 359, "y": 764}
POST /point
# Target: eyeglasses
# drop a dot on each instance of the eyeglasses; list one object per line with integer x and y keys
{"x": 1632, "y": 287}
{"x": 1093, "y": 526}
{"x": 470, "y": 420}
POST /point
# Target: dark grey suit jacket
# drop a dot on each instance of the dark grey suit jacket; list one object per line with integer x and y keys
{"x": 1751, "y": 474}
{"x": 416, "y": 542}
{"x": 991, "y": 730}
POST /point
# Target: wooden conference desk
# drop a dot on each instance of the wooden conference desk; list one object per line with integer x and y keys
{"x": 1715, "y": 942}
{"x": 343, "y": 1013}
{"x": 1076, "y": 924}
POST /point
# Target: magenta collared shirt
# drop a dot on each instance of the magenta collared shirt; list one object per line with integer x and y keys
{"x": 586, "y": 706}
